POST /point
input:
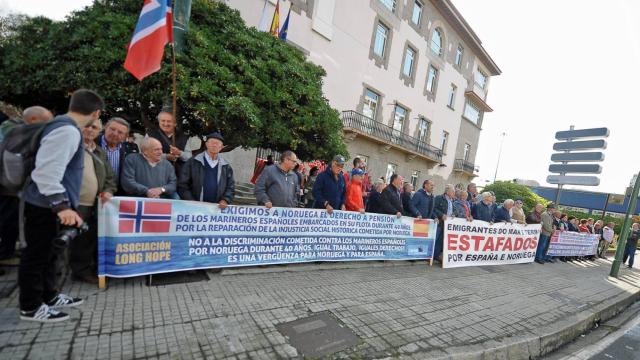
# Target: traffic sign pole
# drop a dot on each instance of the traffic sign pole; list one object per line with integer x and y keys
{"x": 622, "y": 241}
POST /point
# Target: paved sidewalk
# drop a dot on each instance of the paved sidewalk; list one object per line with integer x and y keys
{"x": 405, "y": 310}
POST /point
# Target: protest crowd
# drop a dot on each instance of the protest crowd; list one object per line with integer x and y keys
{"x": 80, "y": 162}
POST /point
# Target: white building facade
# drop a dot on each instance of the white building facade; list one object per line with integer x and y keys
{"x": 410, "y": 78}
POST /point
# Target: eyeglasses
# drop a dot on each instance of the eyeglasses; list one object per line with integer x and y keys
{"x": 340, "y": 165}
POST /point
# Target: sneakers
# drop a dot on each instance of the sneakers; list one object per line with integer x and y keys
{"x": 44, "y": 314}
{"x": 63, "y": 300}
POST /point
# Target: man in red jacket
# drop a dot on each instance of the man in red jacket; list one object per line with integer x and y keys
{"x": 354, "y": 200}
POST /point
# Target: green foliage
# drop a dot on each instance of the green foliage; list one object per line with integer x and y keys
{"x": 256, "y": 89}
{"x": 507, "y": 190}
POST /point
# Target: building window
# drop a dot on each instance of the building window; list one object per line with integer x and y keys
{"x": 432, "y": 79}
{"x": 467, "y": 152}
{"x": 391, "y": 169}
{"x": 480, "y": 78}
{"x": 459, "y": 54}
{"x": 436, "y": 42}
{"x": 382, "y": 32}
{"x": 370, "y": 104}
{"x": 452, "y": 96}
{"x": 424, "y": 127}
{"x": 472, "y": 112}
{"x": 414, "y": 179}
{"x": 400, "y": 115}
{"x": 417, "y": 13}
{"x": 409, "y": 56}
{"x": 445, "y": 141}
{"x": 389, "y": 4}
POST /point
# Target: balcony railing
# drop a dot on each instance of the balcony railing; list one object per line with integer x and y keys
{"x": 368, "y": 126}
{"x": 466, "y": 166}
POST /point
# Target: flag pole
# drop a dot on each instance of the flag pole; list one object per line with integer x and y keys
{"x": 174, "y": 91}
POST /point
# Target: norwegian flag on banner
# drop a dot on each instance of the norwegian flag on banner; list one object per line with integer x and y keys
{"x": 137, "y": 216}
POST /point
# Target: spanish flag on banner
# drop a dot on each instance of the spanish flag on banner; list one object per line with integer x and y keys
{"x": 275, "y": 23}
{"x": 421, "y": 228}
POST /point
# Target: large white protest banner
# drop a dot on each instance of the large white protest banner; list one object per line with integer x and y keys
{"x": 476, "y": 243}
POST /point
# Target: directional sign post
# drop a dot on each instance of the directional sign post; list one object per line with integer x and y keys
{"x": 574, "y": 150}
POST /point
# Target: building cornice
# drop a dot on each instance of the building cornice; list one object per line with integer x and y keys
{"x": 460, "y": 25}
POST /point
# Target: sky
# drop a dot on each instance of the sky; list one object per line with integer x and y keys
{"x": 569, "y": 62}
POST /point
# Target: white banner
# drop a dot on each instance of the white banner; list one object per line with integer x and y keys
{"x": 477, "y": 243}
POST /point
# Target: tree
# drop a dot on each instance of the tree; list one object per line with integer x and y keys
{"x": 256, "y": 89}
{"x": 507, "y": 190}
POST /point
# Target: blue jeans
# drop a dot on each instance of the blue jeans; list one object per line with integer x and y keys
{"x": 629, "y": 252}
{"x": 542, "y": 247}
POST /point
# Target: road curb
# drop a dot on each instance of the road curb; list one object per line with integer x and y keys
{"x": 546, "y": 340}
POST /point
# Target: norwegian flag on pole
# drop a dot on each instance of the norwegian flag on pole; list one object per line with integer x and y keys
{"x": 153, "y": 31}
{"x": 137, "y": 216}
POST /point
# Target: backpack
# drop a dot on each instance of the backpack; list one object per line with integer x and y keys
{"x": 18, "y": 151}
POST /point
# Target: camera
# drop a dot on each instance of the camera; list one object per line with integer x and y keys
{"x": 66, "y": 234}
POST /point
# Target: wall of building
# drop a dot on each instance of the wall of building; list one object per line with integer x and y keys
{"x": 340, "y": 40}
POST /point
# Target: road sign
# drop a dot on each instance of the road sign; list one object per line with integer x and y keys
{"x": 578, "y": 157}
{"x": 576, "y": 168}
{"x": 582, "y": 133}
{"x": 573, "y": 180}
{"x": 580, "y": 145}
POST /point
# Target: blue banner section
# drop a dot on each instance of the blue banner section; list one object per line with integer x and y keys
{"x": 145, "y": 236}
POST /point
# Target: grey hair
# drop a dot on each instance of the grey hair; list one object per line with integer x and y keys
{"x": 287, "y": 154}
{"x": 164, "y": 111}
{"x": 118, "y": 120}
{"x": 146, "y": 143}
{"x": 460, "y": 191}
{"x": 508, "y": 201}
{"x": 486, "y": 194}
{"x": 449, "y": 187}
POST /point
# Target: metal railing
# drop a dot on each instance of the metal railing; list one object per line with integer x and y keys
{"x": 366, "y": 125}
{"x": 462, "y": 165}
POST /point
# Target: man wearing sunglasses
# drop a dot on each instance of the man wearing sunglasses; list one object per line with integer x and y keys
{"x": 329, "y": 189}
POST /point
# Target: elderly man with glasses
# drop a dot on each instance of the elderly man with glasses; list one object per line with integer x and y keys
{"x": 278, "y": 185}
{"x": 330, "y": 188}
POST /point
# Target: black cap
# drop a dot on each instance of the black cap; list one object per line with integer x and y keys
{"x": 214, "y": 135}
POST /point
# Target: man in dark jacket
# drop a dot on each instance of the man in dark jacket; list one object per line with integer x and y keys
{"x": 484, "y": 210}
{"x": 115, "y": 145}
{"x": 406, "y": 195}
{"x": 174, "y": 142}
{"x": 207, "y": 176}
{"x": 374, "y": 205}
{"x": 330, "y": 189}
{"x": 502, "y": 213}
{"x": 391, "y": 198}
{"x": 442, "y": 210}
{"x": 421, "y": 204}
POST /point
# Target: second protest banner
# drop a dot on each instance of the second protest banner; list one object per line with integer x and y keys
{"x": 476, "y": 243}
{"x": 145, "y": 236}
{"x": 569, "y": 243}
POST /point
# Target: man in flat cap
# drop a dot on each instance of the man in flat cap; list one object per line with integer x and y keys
{"x": 207, "y": 176}
{"x": 330, "y": 189}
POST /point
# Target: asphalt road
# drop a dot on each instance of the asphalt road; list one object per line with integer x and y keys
{"x": 626, "y": 347}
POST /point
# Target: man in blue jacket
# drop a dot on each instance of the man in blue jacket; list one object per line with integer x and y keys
{"x": 422, "y": 201}
{"x": 502, "y": 213}
{"x": 484, "y": 210}
{"x": 330, "y": 189}
{"x": 50, "y": 202}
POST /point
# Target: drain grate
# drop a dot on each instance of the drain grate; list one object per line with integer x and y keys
{"x": 318, "y": 335}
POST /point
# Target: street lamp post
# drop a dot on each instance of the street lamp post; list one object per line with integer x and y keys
{"x": 499, "y": 154}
